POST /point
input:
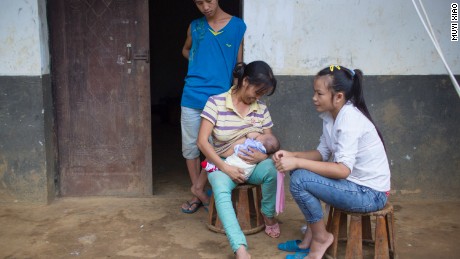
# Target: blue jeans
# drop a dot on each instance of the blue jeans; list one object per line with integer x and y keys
{"x": 308, "y": 189}
{"x": 222, "y": 186}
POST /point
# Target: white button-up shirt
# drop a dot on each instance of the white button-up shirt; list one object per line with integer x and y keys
{"x": 353, "y": 141}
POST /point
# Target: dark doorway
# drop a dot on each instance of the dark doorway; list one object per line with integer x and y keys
{"x": 169, "y": 21}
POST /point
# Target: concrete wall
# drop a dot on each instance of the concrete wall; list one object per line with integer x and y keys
{"x": 380, "y": 37}
{"x": 24, "y": 37}
{"x": 408, "y": 92}
{"x": 27, "y": 142}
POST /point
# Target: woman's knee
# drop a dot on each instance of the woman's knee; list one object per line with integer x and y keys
{"x": 267, "y": 167}
{"x": 220, "y": 183}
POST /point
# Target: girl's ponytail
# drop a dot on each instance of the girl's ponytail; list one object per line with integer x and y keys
{"x": 358, "y": 98}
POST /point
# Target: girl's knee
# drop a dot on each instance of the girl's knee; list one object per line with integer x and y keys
{"x": 299, "y": 178}
{"x": 301, "y": 175}
{"x": 296, "y": 176}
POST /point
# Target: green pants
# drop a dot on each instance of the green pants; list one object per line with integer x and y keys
{"x": 222, "y": 185}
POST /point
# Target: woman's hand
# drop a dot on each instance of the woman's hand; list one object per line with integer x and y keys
{"x": 253, "y": 156}
{"x": 235, "y": 173}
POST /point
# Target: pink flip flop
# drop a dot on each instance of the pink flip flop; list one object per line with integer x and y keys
{"x": 273, "y": 231}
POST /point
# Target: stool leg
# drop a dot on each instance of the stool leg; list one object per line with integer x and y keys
{"x": 355, "y": 241}
{"x": 257, "y": 194}
{"x": 219, "y": 224}
{"x": 367, "y": 229}
{"x": 214, "y": 222}
{"x": 343, "y": 227}
{"x": 334, "y": 228}
{"x": 242, "y": 210}
{"x": 381, "y": 238}
{"x": 391, "y": 235}
{"x": 211, "y": 210}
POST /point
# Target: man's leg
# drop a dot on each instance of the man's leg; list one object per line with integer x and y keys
{"x": 190, "y": 125}
{"x": 193, "y": 168}
{"x": 198, "y": 188}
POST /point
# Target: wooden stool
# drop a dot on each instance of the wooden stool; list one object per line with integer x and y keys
{"x": 359, "y": 231}
{"x": 246, "y": 199}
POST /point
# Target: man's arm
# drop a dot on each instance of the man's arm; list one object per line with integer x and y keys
{"x": 187, "y": 44}
{"x": 240, "y": 53}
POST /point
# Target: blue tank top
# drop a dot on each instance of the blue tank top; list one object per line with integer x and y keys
{"x": 212, "y": 57}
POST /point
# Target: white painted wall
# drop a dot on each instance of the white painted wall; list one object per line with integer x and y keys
{"x": 23, "y": 38}
{"x": 299, "y": 37}
{"x": 296, "y": 37}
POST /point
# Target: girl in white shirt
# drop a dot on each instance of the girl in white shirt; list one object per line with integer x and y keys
{"x": 349, "y": 169}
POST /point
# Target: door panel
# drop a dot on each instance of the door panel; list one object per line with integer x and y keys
{"x": 102, "y": 96}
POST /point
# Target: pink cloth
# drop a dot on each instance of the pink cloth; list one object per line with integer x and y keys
{"x": 279, "y": 193}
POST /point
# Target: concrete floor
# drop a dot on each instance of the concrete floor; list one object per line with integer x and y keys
{"x": 154, "y": 227}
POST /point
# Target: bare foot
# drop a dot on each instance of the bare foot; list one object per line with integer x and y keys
{"x": 200, "y": 195}
{"x": 306, "y": 241}
{"x": 242, "y": 253}
{"x": 319, "y": 246}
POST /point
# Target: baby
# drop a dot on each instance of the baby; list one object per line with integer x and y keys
{"x": 265, "y": 143}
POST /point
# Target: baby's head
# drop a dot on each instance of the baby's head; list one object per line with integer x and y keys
{"x": 270, "y": 142}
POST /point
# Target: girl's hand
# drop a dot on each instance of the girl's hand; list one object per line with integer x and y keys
{"x": 235, "y": 173}
{"x": 253, "y": 156}
{"x": 279, "y": 154}
{"x": 285, "y": 164}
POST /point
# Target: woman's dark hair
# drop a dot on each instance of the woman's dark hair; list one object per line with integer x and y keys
{"x": 258, "y": 73}
{"x": 349, "y": 82}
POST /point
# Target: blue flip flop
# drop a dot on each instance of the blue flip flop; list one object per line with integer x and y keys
{"x": 292, "y": 246}
{"x": 191, "y": 210}
{"x": 298, "y": 255}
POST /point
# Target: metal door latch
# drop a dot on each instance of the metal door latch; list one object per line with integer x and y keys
{"x": 138, "y": 56}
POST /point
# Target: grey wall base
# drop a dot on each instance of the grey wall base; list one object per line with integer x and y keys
{"x": 27, "y": 142}
{"x": 419, "y": 117}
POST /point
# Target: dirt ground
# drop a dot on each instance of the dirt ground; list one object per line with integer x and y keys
{"x": 154, "y": 227}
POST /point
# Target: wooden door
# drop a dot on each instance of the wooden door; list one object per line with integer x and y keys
{"x": 100, "y": 71}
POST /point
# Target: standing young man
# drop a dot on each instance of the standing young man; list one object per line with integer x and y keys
{"x": 213, "y": 46}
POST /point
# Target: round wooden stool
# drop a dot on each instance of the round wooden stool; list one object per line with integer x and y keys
{"x": 360, "y": 231}
{"x": 246, "y": 199}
